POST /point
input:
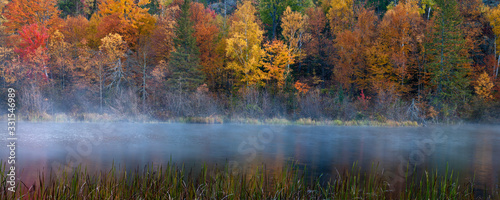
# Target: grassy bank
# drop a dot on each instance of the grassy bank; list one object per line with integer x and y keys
{"x": 94, "y": 117}
{"x": 173, "y": 182}
{"x": 309, "y": 121}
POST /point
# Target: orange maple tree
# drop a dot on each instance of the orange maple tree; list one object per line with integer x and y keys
{"x": 302, "y": 88}
{"x": 206, "y": 32}
{"x": 24, "y": 12}
{"x": 276, "y": 61}
{"x": 351, "y": 63}
{"x": 75, "y": 29}
{"x": 124, "y": 17}
{"x": 399, "y": 30}
{"x": 163, "y": 34}
{"x": 318, "y": 49}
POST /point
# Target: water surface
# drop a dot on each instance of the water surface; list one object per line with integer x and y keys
{"x": 469, "y": 150}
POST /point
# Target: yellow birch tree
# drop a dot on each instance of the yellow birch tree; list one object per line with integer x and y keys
{"x": 244, "y": 46}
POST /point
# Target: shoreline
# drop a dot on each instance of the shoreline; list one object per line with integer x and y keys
{"x": 217, "y": 119}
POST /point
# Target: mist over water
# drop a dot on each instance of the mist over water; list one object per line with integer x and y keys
{"x": 468, "y": 150}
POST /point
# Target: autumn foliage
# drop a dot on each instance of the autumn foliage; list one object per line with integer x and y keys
{"x": 206, "y": 32}
{"x": 321, "y": 59}
{"x": 32, "y": 50}
{"x": 276, "y": 63}
{"x": 25, "y": 12}
{"x": 484, "y": 86}
{"x": 124, "y": 17}
{"x": 244, "y": 46}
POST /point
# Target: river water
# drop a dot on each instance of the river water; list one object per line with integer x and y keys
{"x": 469, "y": 150}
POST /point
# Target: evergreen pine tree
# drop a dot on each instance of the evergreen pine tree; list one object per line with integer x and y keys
{"x": 448, "y": 57}
{"x": 186, "y": 74}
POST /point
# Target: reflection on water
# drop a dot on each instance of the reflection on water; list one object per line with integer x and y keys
{"x": 484, "y": 160}
{"x": 468, "y": 150}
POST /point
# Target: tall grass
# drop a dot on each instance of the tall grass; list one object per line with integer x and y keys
{"x": 212, "y": 119}
{"x": 175, "y": 182}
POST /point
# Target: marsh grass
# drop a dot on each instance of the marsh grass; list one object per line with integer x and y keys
{"x": 387, "y": 123}
{"x": 313, "y": 122}
{"x": 175, "y": 182}
{"x": 201, "y": 120}
{"x": 213, "y": 119}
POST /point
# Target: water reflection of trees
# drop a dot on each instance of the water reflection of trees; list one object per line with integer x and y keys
{"x": 485, "y": 174}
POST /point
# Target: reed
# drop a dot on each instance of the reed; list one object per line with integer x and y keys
{"x": 171, "y": 181}
{"x": 212, "y": 119}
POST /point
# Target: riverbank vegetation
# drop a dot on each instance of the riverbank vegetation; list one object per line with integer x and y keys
{"x": 306, "y": 62}
{"x": 94, "y": 117}
{"x": 291, "y": 182}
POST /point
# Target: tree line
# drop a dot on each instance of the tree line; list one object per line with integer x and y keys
{"x": 344, "y": 59}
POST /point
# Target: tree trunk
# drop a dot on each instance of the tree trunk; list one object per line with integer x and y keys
{"x": 498, "y": 63}
{"x": 100, "y": 87}
{"x": 429, "y": 13}
{"x": 144, "y": 83}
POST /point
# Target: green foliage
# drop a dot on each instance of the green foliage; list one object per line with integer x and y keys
{"x": 184, "y": 61}
{"x": 448, "y": 56}
{"x": 380, "y": 118}
{"x": 153, "y": 7}
{"x": 272, "y": 10}
{"x": 360, "y": 116}
{"x": 379, "y": 5}
{"x": 67, "y": 7}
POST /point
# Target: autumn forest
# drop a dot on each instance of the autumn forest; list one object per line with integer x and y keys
{"x": 419, "y": 60}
